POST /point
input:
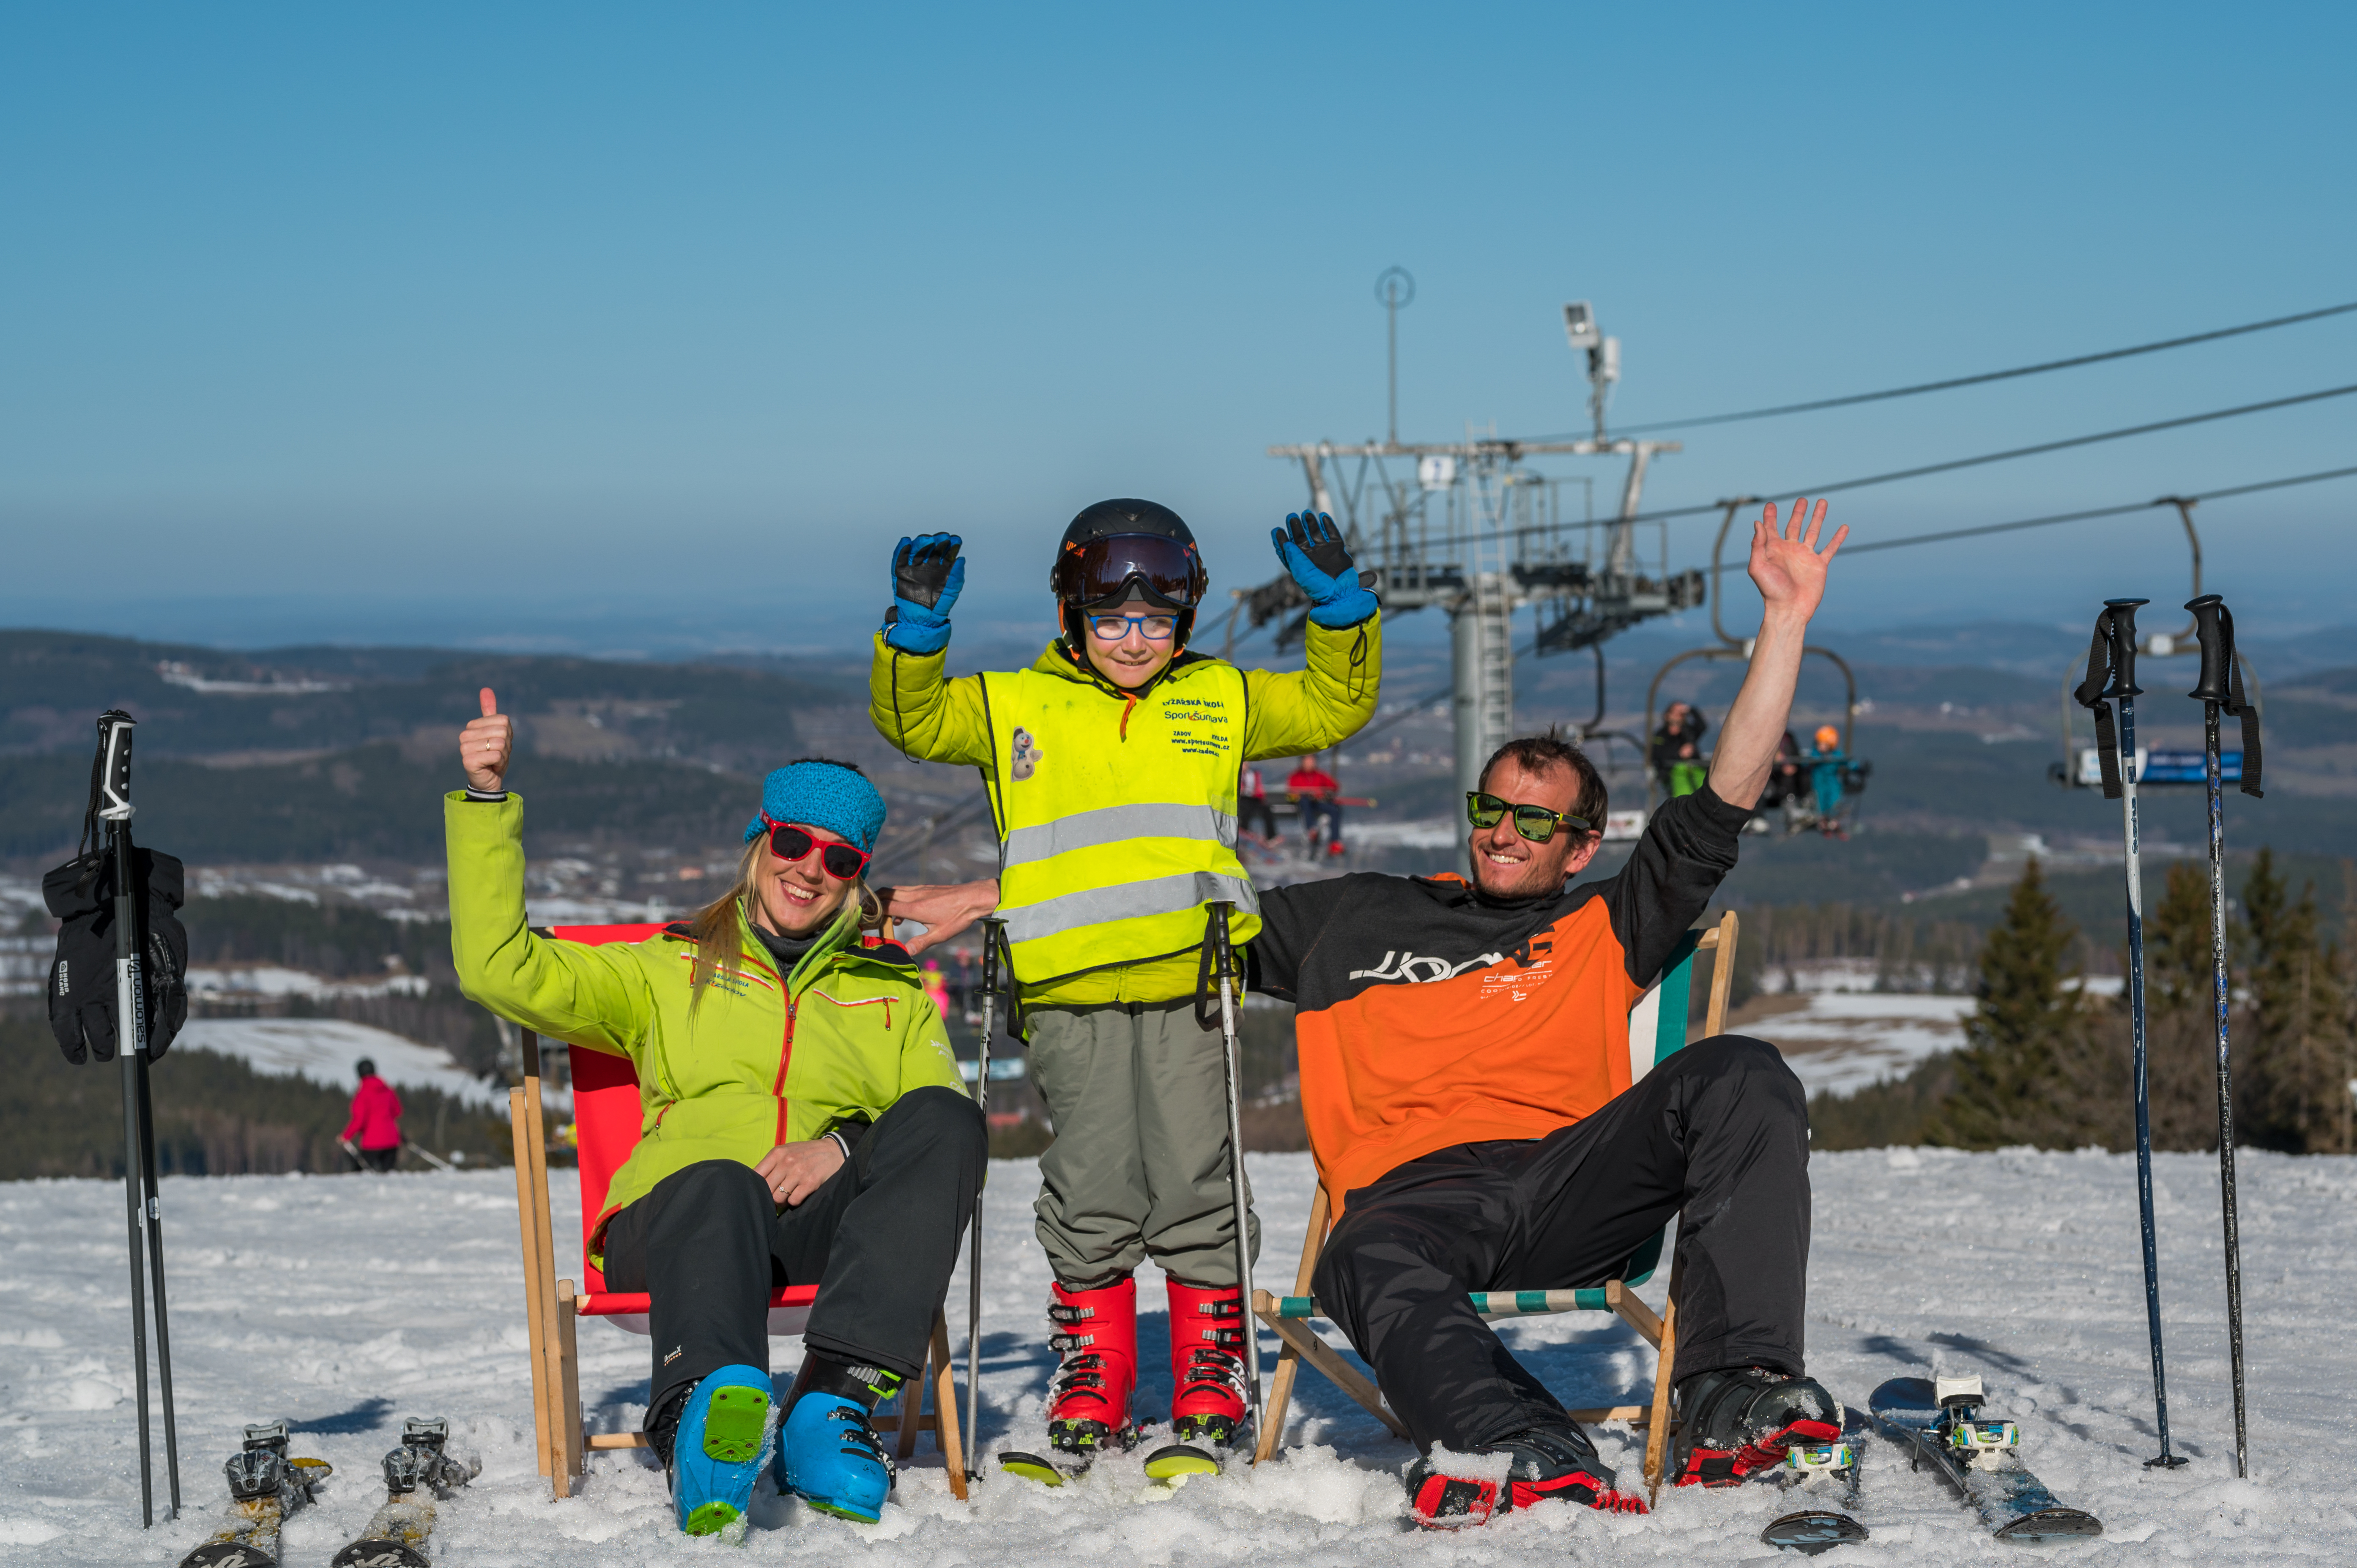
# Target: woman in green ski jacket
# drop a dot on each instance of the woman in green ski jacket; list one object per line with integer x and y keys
{"x": 804, "y": 1123}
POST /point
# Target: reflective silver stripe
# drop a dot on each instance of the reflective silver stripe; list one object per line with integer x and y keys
{"x": 1124, "y": 901}
{"x": 1119, "y": 824}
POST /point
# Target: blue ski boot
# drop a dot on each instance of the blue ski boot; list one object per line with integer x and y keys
{"x": 715, "y": 1454}
{"x": 827, "y": 1454}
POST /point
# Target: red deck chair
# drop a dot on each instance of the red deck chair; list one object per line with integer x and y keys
{"x": 605, "y": 1116}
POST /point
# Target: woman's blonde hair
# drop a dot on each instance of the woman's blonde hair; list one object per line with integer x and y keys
{"x": 718, "y": 933}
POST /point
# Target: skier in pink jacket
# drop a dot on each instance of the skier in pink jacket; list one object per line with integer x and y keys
{"x": 373, "y": 1136}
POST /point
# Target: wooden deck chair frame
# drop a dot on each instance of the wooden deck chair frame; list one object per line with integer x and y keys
{"x": 1657, "y": 1023}
{"x": 552, "y": 1304}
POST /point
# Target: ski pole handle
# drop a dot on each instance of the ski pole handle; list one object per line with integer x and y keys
{"x": 2220, "y": 685}
{"x": 2118, "y": 625}
{"x": 114, "y": 782}
{"x": 2214, "y": 629}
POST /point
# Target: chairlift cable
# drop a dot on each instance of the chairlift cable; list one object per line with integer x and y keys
{"x": 2094, "y": 512}
{"x": 1953, "y": 464}
{"x": 1984, "y": 378}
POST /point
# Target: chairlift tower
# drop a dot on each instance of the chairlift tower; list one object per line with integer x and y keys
{"x": 1469, "y": 527}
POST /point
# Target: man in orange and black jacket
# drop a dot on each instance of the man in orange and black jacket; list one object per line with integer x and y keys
{"x": 1465, "y": 1076}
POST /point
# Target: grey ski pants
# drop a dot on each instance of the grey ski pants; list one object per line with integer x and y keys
{"x": 1140, "y": 1167}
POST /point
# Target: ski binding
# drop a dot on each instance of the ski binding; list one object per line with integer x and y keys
{"x": 1817, "y": 1467}
{"x": 397, "y": 1535}
{"x": 1940, "y": 1422}
{"x": 265, "y": 1487}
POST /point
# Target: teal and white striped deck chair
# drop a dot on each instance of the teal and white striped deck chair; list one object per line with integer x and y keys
{"x": 1657, "y": 1026}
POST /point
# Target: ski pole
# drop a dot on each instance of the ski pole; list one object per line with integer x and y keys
{"x": 156, "y": 1276}
{"x": 113, "y": 786}
{"x": 2111, "y": 677}
{"x": 992, "y": 937}
{"x": 1224, "y": 961}
{"x": 2220, "y": 688}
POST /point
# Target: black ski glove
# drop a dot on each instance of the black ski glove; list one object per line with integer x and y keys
{"x": 922, "y": 568}
{"x": 82, "y": 981}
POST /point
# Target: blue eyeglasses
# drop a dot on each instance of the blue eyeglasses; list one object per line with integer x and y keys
{"x": 1153, "y": 628}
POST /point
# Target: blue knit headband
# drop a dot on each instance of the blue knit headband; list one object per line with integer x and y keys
{"x": 821, "y": 795}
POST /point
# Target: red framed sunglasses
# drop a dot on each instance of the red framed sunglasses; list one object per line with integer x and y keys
{"x": 840, "y": 860}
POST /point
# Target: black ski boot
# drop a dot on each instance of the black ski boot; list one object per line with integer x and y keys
{"x": 1738, "y": 1421}
{"x": 1447, "y": 1492}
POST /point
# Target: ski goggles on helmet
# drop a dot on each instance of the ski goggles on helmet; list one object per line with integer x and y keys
{"x": 1102, "y": 571}
{"x": 1535, "y": 823}
{"x": 840, "y": 860}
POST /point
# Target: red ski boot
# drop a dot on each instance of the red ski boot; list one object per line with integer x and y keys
{"x": 1451, "y": 1491}
{"x": 1087, "y": 1400}
{"x": 1208, "y": 1406}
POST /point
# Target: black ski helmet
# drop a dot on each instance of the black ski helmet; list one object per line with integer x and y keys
{"x": 367, "y": 1068}
{"x": 1118, "y": 546}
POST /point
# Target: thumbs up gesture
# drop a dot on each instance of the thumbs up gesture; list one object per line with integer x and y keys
{"x": 485, "y": 745}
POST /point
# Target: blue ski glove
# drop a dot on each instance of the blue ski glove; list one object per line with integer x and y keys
{"x": 1312, "y": 548}
{"x": 926, "y": 576}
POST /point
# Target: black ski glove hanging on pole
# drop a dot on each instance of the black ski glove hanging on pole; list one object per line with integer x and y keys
{"x": 2219, "y": 690}
{"x": 2111, "y": 677}
{"x": 114, "y": 895}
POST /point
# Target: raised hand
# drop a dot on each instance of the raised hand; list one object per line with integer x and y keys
{"x": 1313, "y": 550}
{"x": 926, "y": 571}
{"x": 926, "y": 574}
{"x": 485, "y": 746}
{"x": 1785, "y": 565}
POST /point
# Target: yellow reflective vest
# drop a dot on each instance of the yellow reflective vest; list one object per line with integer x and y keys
{"x": 1115, "y": 812}
{"x": 1109, "y": 853}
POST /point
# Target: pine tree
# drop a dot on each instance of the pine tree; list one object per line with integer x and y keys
{"x": 2180, "y": 1017}
{"x": 2293, "y": 1077}
{"x": 2026, "y": 1075}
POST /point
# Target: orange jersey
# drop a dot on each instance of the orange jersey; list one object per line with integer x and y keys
{"x": 1430, "y": 1014}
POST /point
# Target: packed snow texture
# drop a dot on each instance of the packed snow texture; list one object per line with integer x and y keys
{"x": 327, "y": 1050}
{"x": 347, "y": 1302}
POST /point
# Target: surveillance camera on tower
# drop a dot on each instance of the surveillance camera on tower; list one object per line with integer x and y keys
{"x": 1580, "y": 324}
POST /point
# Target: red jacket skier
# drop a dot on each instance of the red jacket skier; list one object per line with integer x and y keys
{"x": 373, "y": 1133}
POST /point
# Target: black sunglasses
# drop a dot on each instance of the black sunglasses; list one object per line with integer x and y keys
{"x": 842, "y": 861}
{"x": 1535, "y": 823}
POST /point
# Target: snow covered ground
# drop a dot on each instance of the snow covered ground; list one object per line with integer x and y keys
{"x": 326, "y": 1050}
{"x": 346, "y": 1302}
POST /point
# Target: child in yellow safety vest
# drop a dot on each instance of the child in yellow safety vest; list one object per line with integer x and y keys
{"x": 1112, "y": 765}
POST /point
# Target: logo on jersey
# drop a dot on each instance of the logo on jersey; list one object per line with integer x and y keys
{"x": 1422, "y": 970}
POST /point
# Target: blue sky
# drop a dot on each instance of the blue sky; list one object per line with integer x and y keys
{"x": 442, "y": 322}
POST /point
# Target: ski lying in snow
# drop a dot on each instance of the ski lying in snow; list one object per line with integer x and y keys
{"x": 1174, "y": 1461}
{"x": 1941, "y": 1424}
{"x": 1052, "y": 1468}
{"x": 396, "y": 1536}
{"x": 1169, "y": 1466}
{"x": 265, "y": 1487}
{"x": 1826, "y": 1474}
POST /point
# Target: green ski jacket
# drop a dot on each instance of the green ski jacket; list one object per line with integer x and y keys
{"x": 765, "y": 1061}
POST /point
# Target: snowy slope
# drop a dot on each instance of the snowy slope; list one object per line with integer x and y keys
{"x": 346, "y": 1302}
{"x": 326, "y": 1050}
{"x": 1841, "y": 1041}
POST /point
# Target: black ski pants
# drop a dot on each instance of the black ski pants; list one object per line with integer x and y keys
{"x": 879, "y": 1240}
{"x": 1719, "y": 1132}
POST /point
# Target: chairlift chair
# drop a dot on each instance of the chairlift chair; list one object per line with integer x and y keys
{"x": 607, "y": 1116}
{"x": 1657, "y": 1029}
